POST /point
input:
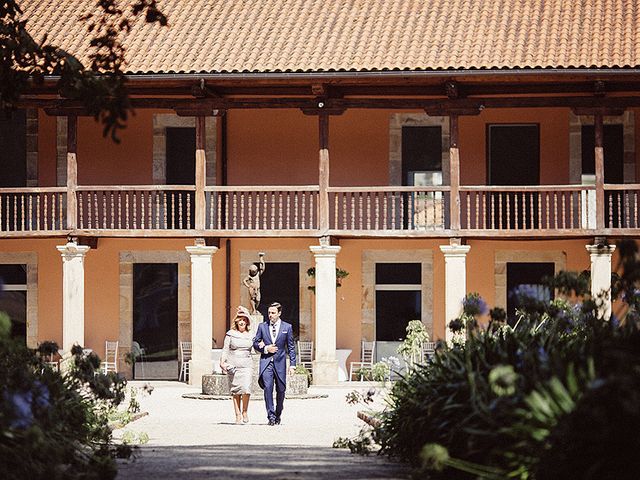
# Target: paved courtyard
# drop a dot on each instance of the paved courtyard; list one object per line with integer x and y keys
{"x": 192, "y": 439}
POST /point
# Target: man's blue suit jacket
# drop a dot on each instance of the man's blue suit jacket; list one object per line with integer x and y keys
{"x": 285, "y": 344}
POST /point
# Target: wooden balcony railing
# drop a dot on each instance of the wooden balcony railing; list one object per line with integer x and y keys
{"x": 170, "y": 210}
{"x": 621, "y": 206}
{"x": 533, "y": 208}
{"x": 389, "y": 208}
{"x": 136, "y": 207}
{"x": 263, "y": 208}
{"x": 34, "y": 210}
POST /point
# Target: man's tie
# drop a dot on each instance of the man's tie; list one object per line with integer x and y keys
{"x": 273, "y": 332}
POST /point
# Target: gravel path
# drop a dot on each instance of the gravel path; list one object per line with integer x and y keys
{"x": 192, "y": 439}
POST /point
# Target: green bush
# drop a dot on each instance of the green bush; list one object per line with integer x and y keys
{"x": 555, "y": 396}
{"x": 54, "y": 426}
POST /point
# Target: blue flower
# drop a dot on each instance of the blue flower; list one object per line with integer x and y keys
{"x": 21, "y": 403}
{"x": 42, "y": 397}
{"x": 473, "y": 304}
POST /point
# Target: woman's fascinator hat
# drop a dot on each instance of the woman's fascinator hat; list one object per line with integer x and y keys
{"x": 243, "y": 312}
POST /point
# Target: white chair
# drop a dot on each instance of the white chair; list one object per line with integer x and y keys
{"x": 185, "y": 358}
{"x": 110, "y": 362}
{"x": 366, "y": 360}
{"x": 305, "y": 355}
{"x": 428, "y": 351}
{"x": 138, "y": 353}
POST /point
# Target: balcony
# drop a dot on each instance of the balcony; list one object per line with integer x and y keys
{"x": 263, "y": 211}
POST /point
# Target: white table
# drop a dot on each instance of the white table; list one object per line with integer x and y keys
{"x": 341, "y": 355}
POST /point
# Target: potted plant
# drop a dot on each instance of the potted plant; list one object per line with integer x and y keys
{"x": 340, "y": 275}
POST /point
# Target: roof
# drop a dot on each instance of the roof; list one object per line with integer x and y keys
{"x": 315, "y": 36}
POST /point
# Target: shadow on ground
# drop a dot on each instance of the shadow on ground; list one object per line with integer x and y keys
{"x": 257, "y": 462}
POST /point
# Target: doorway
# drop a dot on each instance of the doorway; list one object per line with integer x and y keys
{"x": 527, "y": 278}
{"x": 513, "y": 158}
{"x": 280, "y": 282}
{"x": 155, "y": 319}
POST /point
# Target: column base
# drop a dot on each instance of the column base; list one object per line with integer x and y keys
{"x": 325, "y": 372}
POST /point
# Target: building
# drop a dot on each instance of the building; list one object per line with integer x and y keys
{"x": 428, "y": 148}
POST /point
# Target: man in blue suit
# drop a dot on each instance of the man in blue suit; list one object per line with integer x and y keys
{"x": 271, "y": 340}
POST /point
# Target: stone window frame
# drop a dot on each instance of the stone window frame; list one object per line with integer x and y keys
{"x": 305, "y": 261}
{"x": 162, "y": 121}
{"x": 369, "y": 260}
{"x": 126, "y": 260}
{"x": 30, "y": 259}
{"x": 502, "y": 257}
{"x": 575, "y": 144}
{"x": 399, "y": 120}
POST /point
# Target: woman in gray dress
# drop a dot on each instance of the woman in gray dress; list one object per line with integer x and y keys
{"x": 237, "y": 364}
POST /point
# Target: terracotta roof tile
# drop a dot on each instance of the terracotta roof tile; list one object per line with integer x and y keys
{"x": 220, "y": 36}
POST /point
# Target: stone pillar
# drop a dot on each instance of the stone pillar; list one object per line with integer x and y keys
{"x": 325, "y": 364}
{"x": 455, "y": 279}
{"x": 201, "y": 311}
{"x": 72, "y": 294}
{"x": 601, "y": 276}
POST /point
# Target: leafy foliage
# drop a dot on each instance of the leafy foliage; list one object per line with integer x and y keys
{"x": 99, "y": 87}
{"x": 54, "y": 426}
{"x": 555, "y": 396}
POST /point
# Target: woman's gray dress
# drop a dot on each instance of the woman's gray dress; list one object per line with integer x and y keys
{"x": 237, "y": 353}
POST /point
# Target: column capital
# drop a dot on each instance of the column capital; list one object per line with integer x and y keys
{"x": 201, "y": 251}
{"x": 600, "y": 249}
{"x": 455, "y": 250}
{"x": 72, "y": 250}
{"x": 325, "y": 250}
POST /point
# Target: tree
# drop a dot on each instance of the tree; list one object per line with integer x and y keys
{"x": 100, "y": 87}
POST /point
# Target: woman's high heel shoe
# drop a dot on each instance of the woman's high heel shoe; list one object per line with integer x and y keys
{"x": 238, "y": 420}
{"x": 245, "y": 418}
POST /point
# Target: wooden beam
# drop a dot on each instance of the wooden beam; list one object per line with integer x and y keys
{"x": 201, "y": 172}
{"x": 323, "y": 174}
{"x": 72, "y": 171}
{"x": 454, "y": 171}
{"x": 599, "y": 168}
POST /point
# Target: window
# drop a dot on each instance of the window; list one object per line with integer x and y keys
{"x": 527, "y": 278}
{"x": 398, "y": 299}
{"x": 13, "y": 299}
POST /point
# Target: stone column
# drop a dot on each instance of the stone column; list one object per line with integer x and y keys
{"x": 325, "y": 364}
{"x": 201, "y": 311}
{"x": 72, "y": 294}
{"x": 601, "y": 276}
{"x": 455, "y": 278}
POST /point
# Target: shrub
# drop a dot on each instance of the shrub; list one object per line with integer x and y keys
{"x": 555, "y": 396}
{"x": 54, "y": 426}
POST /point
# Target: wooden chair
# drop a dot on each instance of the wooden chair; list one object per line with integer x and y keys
{"x": 366, "y": 360}
{"x": 428, "y": 351}
{"x": 110, "y": 362}
{"x": 305, "y": 355}
{"x": 185, "y": 358}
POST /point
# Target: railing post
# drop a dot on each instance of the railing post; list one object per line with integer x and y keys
{"x": 72, "y": 172}
{"x": 454, "y": 172}
{"x": 599, "y": 170}
{"x": 200, "y": 207}
{"x": 323, "y": 181}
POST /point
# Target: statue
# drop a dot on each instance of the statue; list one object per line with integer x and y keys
{"x": 252, "y": 282}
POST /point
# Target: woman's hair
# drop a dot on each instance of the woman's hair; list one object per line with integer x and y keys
{"x": 234, "y": 323}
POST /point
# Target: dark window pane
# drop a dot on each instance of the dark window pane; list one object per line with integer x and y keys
{"x": 398, "y": 273}
{"x": 421, "y": 149}
{"x": 13, "y": 274}
{"x": 14, "y": 304}
{"x": 514, "y": 154}
{"x": 394, "y": 310}
{"x": 181, "y": 170}
{"x": 527, "y": 277}
{"x": 13, "y": 150}
{"x": 613, "y": 143}
{"x": 155, "y": 310}
{"x": 280, "y": 283}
